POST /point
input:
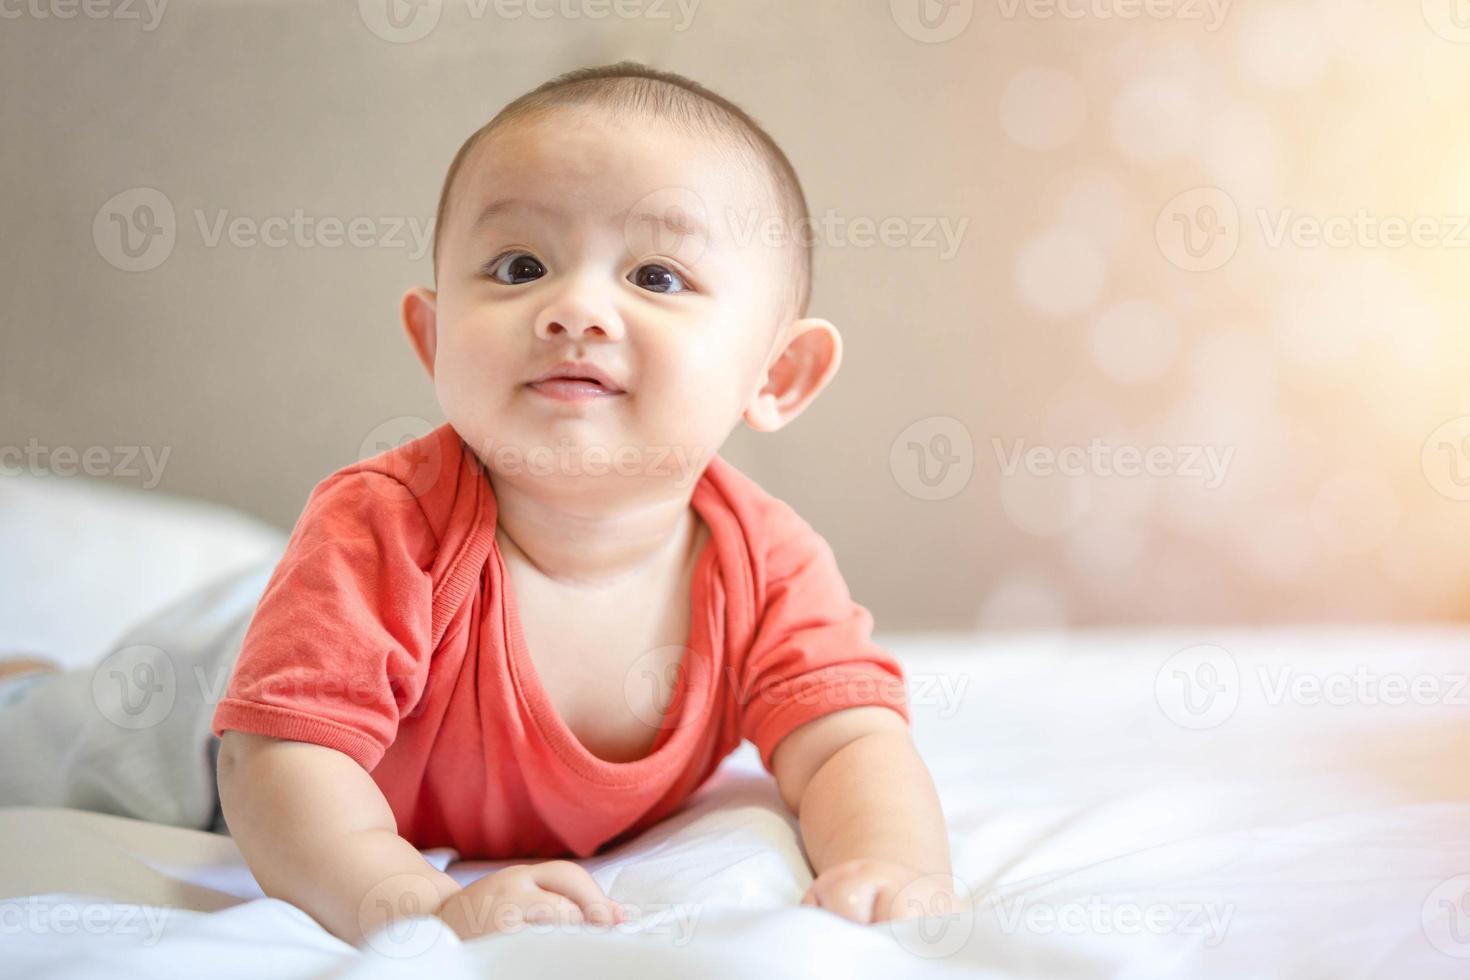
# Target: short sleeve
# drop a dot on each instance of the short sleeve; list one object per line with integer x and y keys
{"x": 813, "y": 652}
{"x": 338, "y": 650}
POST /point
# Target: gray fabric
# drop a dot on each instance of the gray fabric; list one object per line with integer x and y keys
{"x": 130, "y": 735}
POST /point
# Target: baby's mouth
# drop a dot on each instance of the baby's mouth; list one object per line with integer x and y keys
{"x": 573, "y": 389}
{"x": 576, "y": 381}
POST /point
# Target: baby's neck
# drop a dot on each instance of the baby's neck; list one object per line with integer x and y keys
{"x": 591, "y": 541}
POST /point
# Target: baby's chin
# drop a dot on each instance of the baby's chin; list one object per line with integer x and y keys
{"x": 571, "y": 457}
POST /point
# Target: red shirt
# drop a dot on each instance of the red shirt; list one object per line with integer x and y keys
{"x": 389, "y": 632}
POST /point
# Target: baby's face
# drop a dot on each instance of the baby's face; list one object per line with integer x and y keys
{"x": 555, "y": 250}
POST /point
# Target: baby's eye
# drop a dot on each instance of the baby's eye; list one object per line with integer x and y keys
{"x": 657, "y": 279}
{"x": 516, "y": 268}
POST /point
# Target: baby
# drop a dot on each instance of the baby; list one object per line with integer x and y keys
{"x": 538, "y": 629}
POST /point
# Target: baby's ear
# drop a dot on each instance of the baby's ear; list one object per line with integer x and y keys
{"x": 802, "y": 367}
{"x": 420, "y": 322}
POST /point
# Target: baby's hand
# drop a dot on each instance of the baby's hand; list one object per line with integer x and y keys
{"x": 553, "y": 891}
{"x": 876, "y": 891}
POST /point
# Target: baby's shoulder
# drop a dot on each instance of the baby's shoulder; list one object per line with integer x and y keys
{"x": 776, "y": 536}
{"x": 426, "y": 488}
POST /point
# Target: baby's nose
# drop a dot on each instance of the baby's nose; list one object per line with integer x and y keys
{"x": 579, "y": 312}
{"x": 577, "y": 316}
{"x": 576, "y": 330}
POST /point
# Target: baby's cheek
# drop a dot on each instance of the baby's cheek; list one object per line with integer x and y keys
{"x": 694, "y": 421}
{"x": 472, "y": 401}
{"x": 717, "y": 376}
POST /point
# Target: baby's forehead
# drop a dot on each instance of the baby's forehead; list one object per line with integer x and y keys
{"x": 635, "y": 169}
{"x": 586, "y": 128}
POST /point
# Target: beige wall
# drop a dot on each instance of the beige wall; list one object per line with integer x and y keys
{"x": 1070, "y": 310}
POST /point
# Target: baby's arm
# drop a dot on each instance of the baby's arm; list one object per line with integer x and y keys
{"x": 870, "y": 817}
{"x": 316, "y": 832}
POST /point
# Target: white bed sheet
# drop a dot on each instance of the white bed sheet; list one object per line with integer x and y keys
{"x": 1296, "y": 837}
{"x": 82, "y": 559}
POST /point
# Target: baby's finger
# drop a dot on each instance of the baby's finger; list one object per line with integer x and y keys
{"x": 886, "y": 906}
{"x": 852, "y": 899}
{"x": 573, "y": 881}
{"x": 541, "y": 906}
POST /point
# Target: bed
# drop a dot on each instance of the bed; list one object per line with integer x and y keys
{"x": 1200, "y": 802}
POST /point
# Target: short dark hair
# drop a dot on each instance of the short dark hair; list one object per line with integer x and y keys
{"x": 630, "y": 86}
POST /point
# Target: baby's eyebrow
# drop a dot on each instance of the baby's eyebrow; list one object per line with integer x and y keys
{"x": 674, "y": 219}
{"x": 500, "y": 206}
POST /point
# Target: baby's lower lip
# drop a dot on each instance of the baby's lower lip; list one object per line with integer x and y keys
{"x": 571, "y": 390}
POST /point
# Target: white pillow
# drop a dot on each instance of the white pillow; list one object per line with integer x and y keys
{"x": 82, "y": 559}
